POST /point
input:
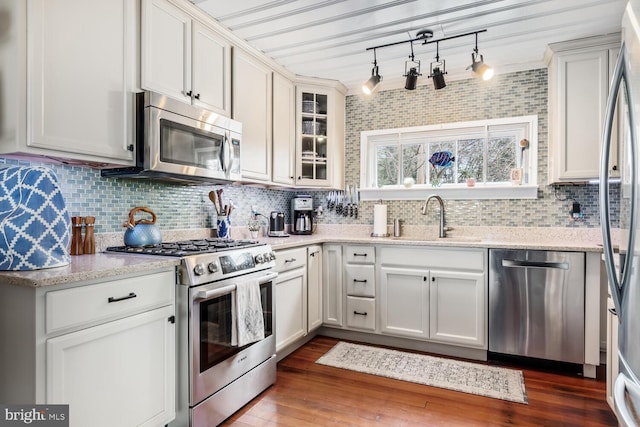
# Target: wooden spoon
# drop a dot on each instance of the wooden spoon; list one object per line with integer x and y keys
{"x": 214, "y": 199}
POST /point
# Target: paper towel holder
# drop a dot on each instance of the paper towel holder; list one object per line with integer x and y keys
{"x": 380, "y": 234}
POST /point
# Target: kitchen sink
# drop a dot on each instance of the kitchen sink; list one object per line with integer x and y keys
{"x": 448, "y": 239}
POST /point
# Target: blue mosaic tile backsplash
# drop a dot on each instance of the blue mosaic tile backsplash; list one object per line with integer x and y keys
{"x": 182, "y": 207}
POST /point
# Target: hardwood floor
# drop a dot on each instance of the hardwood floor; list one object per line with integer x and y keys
{"x": 308, "y": 394}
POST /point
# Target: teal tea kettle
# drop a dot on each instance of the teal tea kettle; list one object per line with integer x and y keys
{"x": 143, "y": 232}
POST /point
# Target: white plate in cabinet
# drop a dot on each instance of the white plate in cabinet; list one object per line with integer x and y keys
{"x": 361, "y": 313}
{"x": 360, "y": 280}
{"x": 106, "y": 301}
{"x": 361, "y": 254}
{"x": 290, "y": 259}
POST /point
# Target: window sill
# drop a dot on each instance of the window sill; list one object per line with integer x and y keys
{"x": 479, "y": 192}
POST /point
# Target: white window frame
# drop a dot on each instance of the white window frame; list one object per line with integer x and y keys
{"x": 449, "y": 191}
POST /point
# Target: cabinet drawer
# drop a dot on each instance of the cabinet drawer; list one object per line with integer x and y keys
{"x": 106, "y": 301}
{"x": 290, "y": 259}
{"x": 361, "y": 313}
{"x": 442, "y": 258}
{"x": 361, "y": 280}
{"x": 360, "y": 254}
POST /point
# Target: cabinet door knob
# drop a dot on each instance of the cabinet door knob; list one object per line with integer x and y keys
{"x": 197, "y": 96}
{"x": 189, "y": 94}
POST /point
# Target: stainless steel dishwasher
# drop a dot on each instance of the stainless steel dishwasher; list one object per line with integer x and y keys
{"x": 536, "y": 304}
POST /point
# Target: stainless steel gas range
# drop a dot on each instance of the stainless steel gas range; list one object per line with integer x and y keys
{"x": 215, "y": 377}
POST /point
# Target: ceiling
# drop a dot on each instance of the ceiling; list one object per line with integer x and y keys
{"x": 329, "y": 38}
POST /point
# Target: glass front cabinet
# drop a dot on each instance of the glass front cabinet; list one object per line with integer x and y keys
{"x": 319, "y": 137}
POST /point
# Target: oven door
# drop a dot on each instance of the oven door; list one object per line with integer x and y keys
{"x": 180, "y": 145}
{"x": 215, "y": 361}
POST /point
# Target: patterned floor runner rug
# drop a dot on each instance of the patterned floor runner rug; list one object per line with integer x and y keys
{"x": 467, "y": 377}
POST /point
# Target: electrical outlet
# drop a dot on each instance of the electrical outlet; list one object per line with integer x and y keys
{"x": 575, "y": 212}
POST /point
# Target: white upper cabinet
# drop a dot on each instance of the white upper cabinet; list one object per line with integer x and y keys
{"x": 579, "y": 78}
{"x": 319, "y": 137}
{"x": 252, "y": 92}
{"x": 184, "y": 58}
{"x": 77, "y": 73}
{"x": 284, "y": 140}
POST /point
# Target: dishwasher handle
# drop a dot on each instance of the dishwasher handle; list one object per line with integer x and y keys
{"x": 535, "y": 264}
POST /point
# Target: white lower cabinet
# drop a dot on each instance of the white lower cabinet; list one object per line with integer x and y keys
{"x": 435, "y": 294}
{"x": 291, "y": 296}
{"x": 404, "y": 302}
{"x": 457, "y": 307}
{"x": 332, "y": 285}
{"x": 291, "y": 306}
{"x": 298, "y": 296}
{"x": 106, "y": 348}
{"x": 314, "y": 287}
{"x": 118, "y": 373}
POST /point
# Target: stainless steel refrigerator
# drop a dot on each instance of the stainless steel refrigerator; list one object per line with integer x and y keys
{"x": 624, "y": 278}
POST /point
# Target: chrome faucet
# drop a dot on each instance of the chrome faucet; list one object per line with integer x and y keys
{"x": 442, "y": 231}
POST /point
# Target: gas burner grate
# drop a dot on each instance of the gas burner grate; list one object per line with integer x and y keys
{"x": 187, "y": 247}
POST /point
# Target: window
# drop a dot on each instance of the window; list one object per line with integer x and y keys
{"x": 408, "y": 163}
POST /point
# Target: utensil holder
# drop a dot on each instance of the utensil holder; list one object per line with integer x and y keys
{"x": 224, "y": 226}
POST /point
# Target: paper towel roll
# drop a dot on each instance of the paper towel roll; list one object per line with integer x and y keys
{"x": 379, "y": 220}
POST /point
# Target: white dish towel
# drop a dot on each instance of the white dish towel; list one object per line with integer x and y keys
{"x": 249, "y": 316}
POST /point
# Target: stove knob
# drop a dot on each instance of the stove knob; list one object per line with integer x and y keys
{"x": 198, "y": 269}
{"x": 213, "y": 267}
{"x": 272, "y": 256}
{"x": 259, "y": 259}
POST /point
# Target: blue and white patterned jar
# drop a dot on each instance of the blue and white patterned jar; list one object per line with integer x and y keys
{"x": 224, "y": 226}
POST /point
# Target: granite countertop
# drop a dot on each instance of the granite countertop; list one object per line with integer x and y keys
{"x": 104, "y": 265}
{"x": 535, "y": 238}
{"x": 88, "y": 267}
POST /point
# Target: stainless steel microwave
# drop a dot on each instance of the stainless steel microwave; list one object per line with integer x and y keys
{"x": 179, "y": 142}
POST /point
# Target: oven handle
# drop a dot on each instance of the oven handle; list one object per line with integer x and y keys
{"x": 217, "y": 292}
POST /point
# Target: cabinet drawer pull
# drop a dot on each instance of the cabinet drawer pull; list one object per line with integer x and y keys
{"x": 357, "y": 313}
{"x": 355, "y": 254}
{"x": 360, "y": 281}
{"x": 613, "y": 311}
{"x": 131, "y": 295}
{"x": 289, "y": 260}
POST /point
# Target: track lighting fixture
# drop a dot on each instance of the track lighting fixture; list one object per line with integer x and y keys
{"x": 412, "y": 73}
{"x": 437, "y": 70}
{"x": 374, "y": 81}
{"x": 478, "y": 66}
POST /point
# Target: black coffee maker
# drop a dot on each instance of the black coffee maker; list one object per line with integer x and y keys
{"x": 302, "y": 215}
{"x": 276, "y": 225}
